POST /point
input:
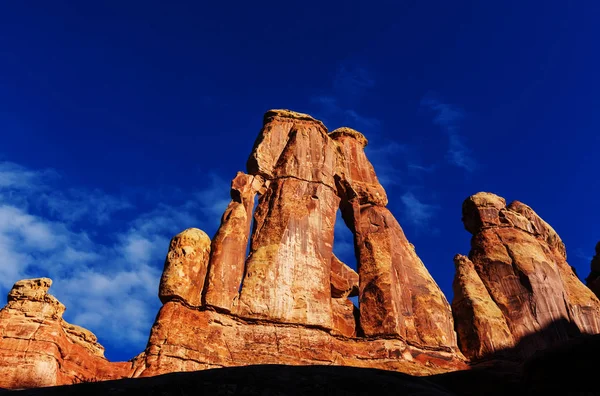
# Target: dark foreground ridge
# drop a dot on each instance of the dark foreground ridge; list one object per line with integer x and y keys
{"x": 568, "y": 369}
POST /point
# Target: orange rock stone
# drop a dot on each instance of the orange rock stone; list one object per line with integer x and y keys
{"x": 184, "y": 339}
{"x": 355, "y": 173}
{"x": 289, "y": 268}
{"x": 344, "y": 280}
{"x": 274, "y": 137}
{"x": 185, "y": 267}
{"x": 345, "y": 315}
{"x": 398, "y": 296}
{"x": 481, "y": 326}
{"x": 521, "y": 261}
{"x": 38, "y": 348}
{"x": 228, "y": 247}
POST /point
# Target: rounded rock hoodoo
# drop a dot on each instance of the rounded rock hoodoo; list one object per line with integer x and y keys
{"x": 185, "y": 267}
{"x": 353, "y": 133}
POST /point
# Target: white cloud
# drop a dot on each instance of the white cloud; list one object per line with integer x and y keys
{"x": 15, "y": 176}
{"x": 109, "y": 283}
{"x": 338, "y": 107}
{"x": 417, "y": 212}
{"x": 383, "y": 158}
{"x": 448, "y": 118}
{"x": 352, "y": 79}
{"x": 78, "y": 204}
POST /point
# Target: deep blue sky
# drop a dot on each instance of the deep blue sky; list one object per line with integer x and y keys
{"x": 122, "y": 123}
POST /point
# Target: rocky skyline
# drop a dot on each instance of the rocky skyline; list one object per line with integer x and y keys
{"x": 124, "y": 124}
{"x": 268, "y": 289}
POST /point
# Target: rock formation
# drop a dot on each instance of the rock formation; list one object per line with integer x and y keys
{"x": 398, "y": 297}
{"x": 287, "y": 301}
{"x": 267, "y": 289}
{"x": 228, "y": 249}
{"x": 185, "y": 268}
{"x": 38, "y": 348}
{"x": 593, "y": 279}
{"x": 516, "y": 289}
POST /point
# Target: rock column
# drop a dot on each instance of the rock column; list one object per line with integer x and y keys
{"x": 398, "y": 297}
{"x": 288, "y": 270}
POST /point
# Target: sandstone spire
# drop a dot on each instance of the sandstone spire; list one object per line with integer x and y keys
{"x": 228, "y": 248}
{"x": 185, "y": 267}
{"x": 293, "y": 305}
{"x": 521, "y": 261}
{"x": 481, "y": 326}
{"x": 398, "y": 297}
{"x": 288, "y": 270}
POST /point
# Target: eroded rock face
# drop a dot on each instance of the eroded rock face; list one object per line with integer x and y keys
{"x": 185, "y": 267}
{"x": 38, "y": 348}
{"x": 344, "y": 280}
{"x": 593, "y": 279}
{"x": 289, "y": 268}
{"x": 521, "y": 262}
{"x": 184, "y": 339}
{"x": 481, "y": 326}
{"x": 228, "y": 248}
{"x": 355, "y": 174}
{"x": 278, "y": 127}
{"x": 398, "y": 296}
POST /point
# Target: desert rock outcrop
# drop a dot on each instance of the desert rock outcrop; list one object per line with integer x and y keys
{"x": 38, "y": 348}
{"x": 517, "y": 266}
{"x": 288, "y": 300}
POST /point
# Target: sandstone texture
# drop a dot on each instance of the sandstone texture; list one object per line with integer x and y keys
{"x": 228, "y": 248}
{"x": 517, "y": 279}
{"x": 593, "y": 279}
{"x": 185, "y": 267}
{"x": 481, "y": 326}
{"x": 38, "y": 348}
{"x": 184, "y": 339}
{"x": 398, "y": 296}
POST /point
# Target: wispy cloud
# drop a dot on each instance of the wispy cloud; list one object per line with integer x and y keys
{"x": 339, "y": 105}
{"x": 383, "y": 159}
{"x": 418, "y": 213}
{"x": 16, "y": 177}
{"x": 448, "y": 118}
{"x": 332, "y": 111}
{"x": 108, "y": 282}
{"x": 352, "y": 79}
